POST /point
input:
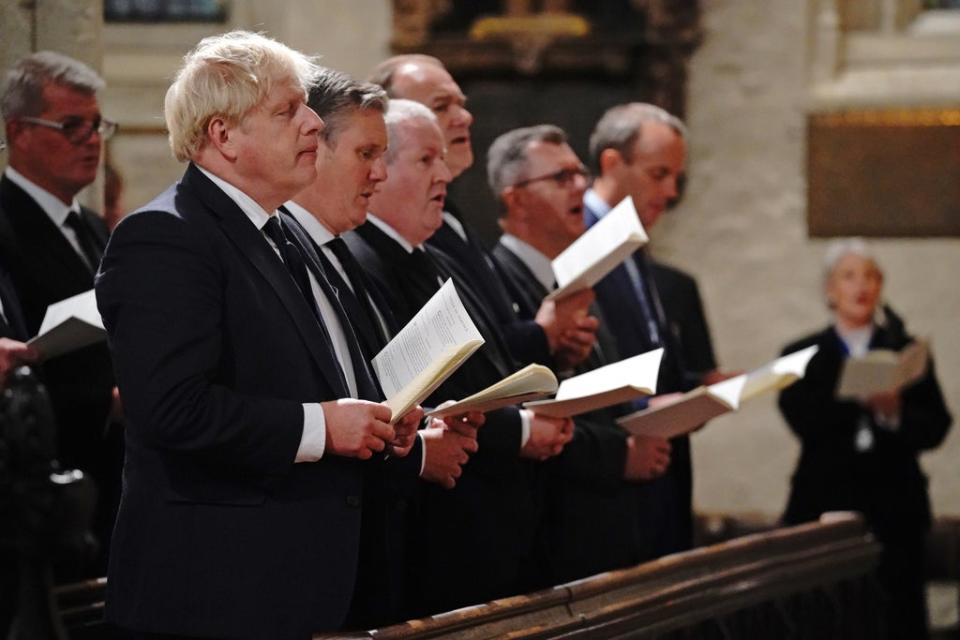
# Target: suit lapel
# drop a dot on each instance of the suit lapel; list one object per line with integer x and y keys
{"x": 254, "y": 247}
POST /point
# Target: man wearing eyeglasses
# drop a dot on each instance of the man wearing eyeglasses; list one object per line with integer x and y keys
{"x": 594, "y": 500}
{"x": 51, "y": 247}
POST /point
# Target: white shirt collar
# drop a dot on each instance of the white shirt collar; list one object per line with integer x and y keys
{"x": 390, "y": 231}
{"x": 51, "y": 204}
{"x": 314, "y": 228}
{"x": 538, "y": 263}
{"x": 455, "y": 224}
{"x": 857, "y": 340}
{"x": 257, "y": 215}
{"x": 595, "y": 203}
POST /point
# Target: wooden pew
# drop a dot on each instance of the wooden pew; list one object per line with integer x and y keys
{"x": 810, "y": 581}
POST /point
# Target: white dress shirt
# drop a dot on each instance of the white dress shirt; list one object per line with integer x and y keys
{"x": 55, "y": 209}
{"x": 313, "y": 440}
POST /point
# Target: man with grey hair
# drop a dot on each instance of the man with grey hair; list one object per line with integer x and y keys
{"x": 595, "y": 497}
{"x": 480, "y": 533}
{"x": 251, "y": 406}
{"x": 639, "y": 150}
{"x": 51, "y": 247}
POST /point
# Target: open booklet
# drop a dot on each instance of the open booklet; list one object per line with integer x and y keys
{"x": 599, "y": 250}
{"x": 69, "y": 325}
{"x": 603, "y": 387}
{"x": 883, "y": 370}
{"x": 533, "y": 381}
{"x": 692, "y": 409}
{"x": 427, "y": 351}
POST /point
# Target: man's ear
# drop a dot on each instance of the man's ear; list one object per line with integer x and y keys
{"x": 220, "y": 135}
{"x": 512, "y": 203}
{"x": 610, "y": 160}
{"x": 15, "y": 133}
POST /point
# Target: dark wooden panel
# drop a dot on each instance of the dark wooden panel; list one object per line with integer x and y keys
{"x": 893, "y": 173}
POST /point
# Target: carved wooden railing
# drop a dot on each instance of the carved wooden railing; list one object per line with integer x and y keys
{"x": 814, "y": 580}
{"x": 810, "y": 581}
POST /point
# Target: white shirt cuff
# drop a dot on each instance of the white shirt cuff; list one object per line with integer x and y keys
{"x": 314, "y": 438}
{"x": 525, "y": 417}
{"x": 423, "y": 454}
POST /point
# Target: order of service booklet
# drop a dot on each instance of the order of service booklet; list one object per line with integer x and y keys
{"x": 69, "y": 325}
{"x": 436, "y": 341}
{"x": 603, "y": 387}
{"x": 599, "y": 250}
{"x": 533, "y": 381}
{"x": 883, "y": 370}
{"x": 690, "y": 410}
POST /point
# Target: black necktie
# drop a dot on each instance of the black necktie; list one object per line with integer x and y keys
{"x": 293, "y": 261}
{"x": 89, "y": 245}
{"x": 356, "y": 302}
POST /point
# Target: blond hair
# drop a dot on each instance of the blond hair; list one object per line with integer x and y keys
{"x": 226, "y": 76}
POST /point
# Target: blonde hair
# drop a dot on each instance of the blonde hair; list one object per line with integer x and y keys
{"x": 226, "y": 76}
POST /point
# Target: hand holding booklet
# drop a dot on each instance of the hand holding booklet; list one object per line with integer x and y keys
{"x": 599, "y": 250}
{"x": 692, "y": 409}
{"x": 69, "y": 325}
{"x": 533, "y": 381}
{"x": 603, "y": 387}
{"x": 883, "y": 370}
{"x": 426, "y": 352}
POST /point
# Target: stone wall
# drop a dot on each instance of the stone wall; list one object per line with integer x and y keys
{"x": 742, "y": 231}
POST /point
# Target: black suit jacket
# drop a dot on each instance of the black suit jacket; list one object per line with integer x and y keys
{"x": 471, "y": 261}
{"x": 219, "y": 532}
{"x": 884, "y": 482}
{"x": 390, "y": 484}
{"x": 12, "y": 324}
{"x": 480, "y": 534}
{"x": 44, "y": 268}
{"x": 590, "y": 522}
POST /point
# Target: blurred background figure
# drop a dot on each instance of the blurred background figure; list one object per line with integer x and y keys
{"x": 862, "y": 455}
{"x": 114, "y": 207}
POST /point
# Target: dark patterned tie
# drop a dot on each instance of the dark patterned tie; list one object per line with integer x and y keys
{"x": 89, "y": 245}
{"x": 360, "y": 292}
{"x": 293, "y": 261}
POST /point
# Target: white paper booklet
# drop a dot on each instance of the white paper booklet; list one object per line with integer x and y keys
{"x": 690, "y": 410}
{"x": 69, "y": 325}
{"x": 883, "y": 370}
{"x": 533, "y": 381}
{"x": 603, "y": 387}
{"x": 599, "y": 250}
{"x": 427, "y": 351}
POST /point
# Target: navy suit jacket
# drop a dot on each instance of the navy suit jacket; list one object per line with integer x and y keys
{"x": 219, "y": 532}
{"x": 668, "y": 511}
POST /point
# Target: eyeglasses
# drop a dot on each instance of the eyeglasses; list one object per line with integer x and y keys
{"x": 77, "y": 130}
{"x": 563, "y": 177}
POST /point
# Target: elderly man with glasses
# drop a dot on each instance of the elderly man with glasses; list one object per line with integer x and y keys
{"x": 51, "y": 247}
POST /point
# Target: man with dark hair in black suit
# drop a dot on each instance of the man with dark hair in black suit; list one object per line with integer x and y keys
{"x": 350, "y": 166}
{"x": 639, "y": 150}
{"x": 251, "y": 407}
{"x": 52, "y": 247}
